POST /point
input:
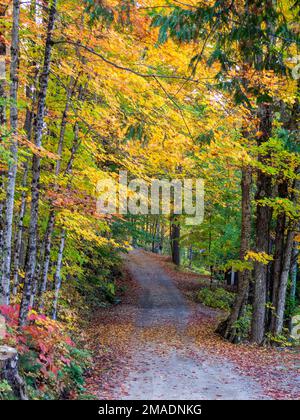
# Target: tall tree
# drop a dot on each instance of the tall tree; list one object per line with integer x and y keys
{"x": 35, "y": 187}
{"x": 3, "y": 48}
{"x": 13, "y": 161}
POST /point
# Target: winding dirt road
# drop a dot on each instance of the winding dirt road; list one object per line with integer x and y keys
{"x": 166, "y": 363}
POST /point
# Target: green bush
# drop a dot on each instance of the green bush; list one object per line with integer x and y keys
{"x": 6, "y": 392}
{"x": 242, "y": 325}
{"x": 217, "y": 298}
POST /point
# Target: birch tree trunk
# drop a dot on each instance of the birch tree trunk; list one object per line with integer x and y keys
{"x": 3, "y": 8}
{"x": 12, "y": 168}
{"x": 19, "y": 232}
{"x": 57, "y": 277}
{"x": 58, "y": 280}
{"x": 35, "y": 282}
{"x": 31, "y": 96}
{"x": 1, "y": 224}
{"x": 35, "y": 187}
{"x": 47, "y": 254}
{"x": 51, "y": 220}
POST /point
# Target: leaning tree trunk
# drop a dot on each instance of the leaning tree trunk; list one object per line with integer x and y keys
{"x": 279, "y": 303}
{"x": 281, "y": 297}
{"x": 227, "y": 328}
{"x": 35, "y": 187}
{"x": 9, "y": 371}
{"x": 12, "y": 167}
{"x": 279, "y": 250}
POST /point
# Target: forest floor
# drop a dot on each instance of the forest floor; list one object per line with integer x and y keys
{"x": 159, "y": 344}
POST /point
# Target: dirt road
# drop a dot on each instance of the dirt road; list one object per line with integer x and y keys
{"x": 166, "y": 363}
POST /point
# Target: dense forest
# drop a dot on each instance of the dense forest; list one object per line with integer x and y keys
{"x": 160, "y": 90}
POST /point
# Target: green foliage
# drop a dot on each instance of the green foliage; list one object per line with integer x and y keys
{"x": 100, "y": 270}
{"x": 252, "y": 29}
{"x": 98, "y": 11}
{"x": 218, "y": 298}
{"x": 30, "y": 367}
{"x": 238, "y": 265}
{"x": 177, "y": 24}
{"x": 279, "y": 340}
{"x": 6, "y": 392}
{"x": 243, "y": 324}
{"x": 49, "y": 360}
{"x": 81, "y": 361}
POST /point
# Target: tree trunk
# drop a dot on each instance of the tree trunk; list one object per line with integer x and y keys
{"x": 9, "y": 371}
{"x": 30, "y": 95}
{"x": 63, "y": 125}
{"x": 263, "y": 218}
{"x": 3, "y": 8}
{"x": 75, "y": 146}
{"x": 294, "y": 270}
{"x": 279, "y": 303}
{"x": 227, "y": 328}
{"x": 19, "y": 232}
{"x": 281, "y": 297}
{"x": 190, "y": 255}
{"x": 47, "y": 254}
{"x": 35, "y": 187}
{"x": 279, "y": 251}
{"x": 175, "y": 236}
{"x": 154, "y": 234}
{"x": 13, "y": 164}
{"x": 2, "y": 206}
{"x": 51, "y": 220}
{"x": 34, "y": 288}
{"x": 293, "y": 275}
{"x": 57, "y": 277}
{"x": 260, "y": 269}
